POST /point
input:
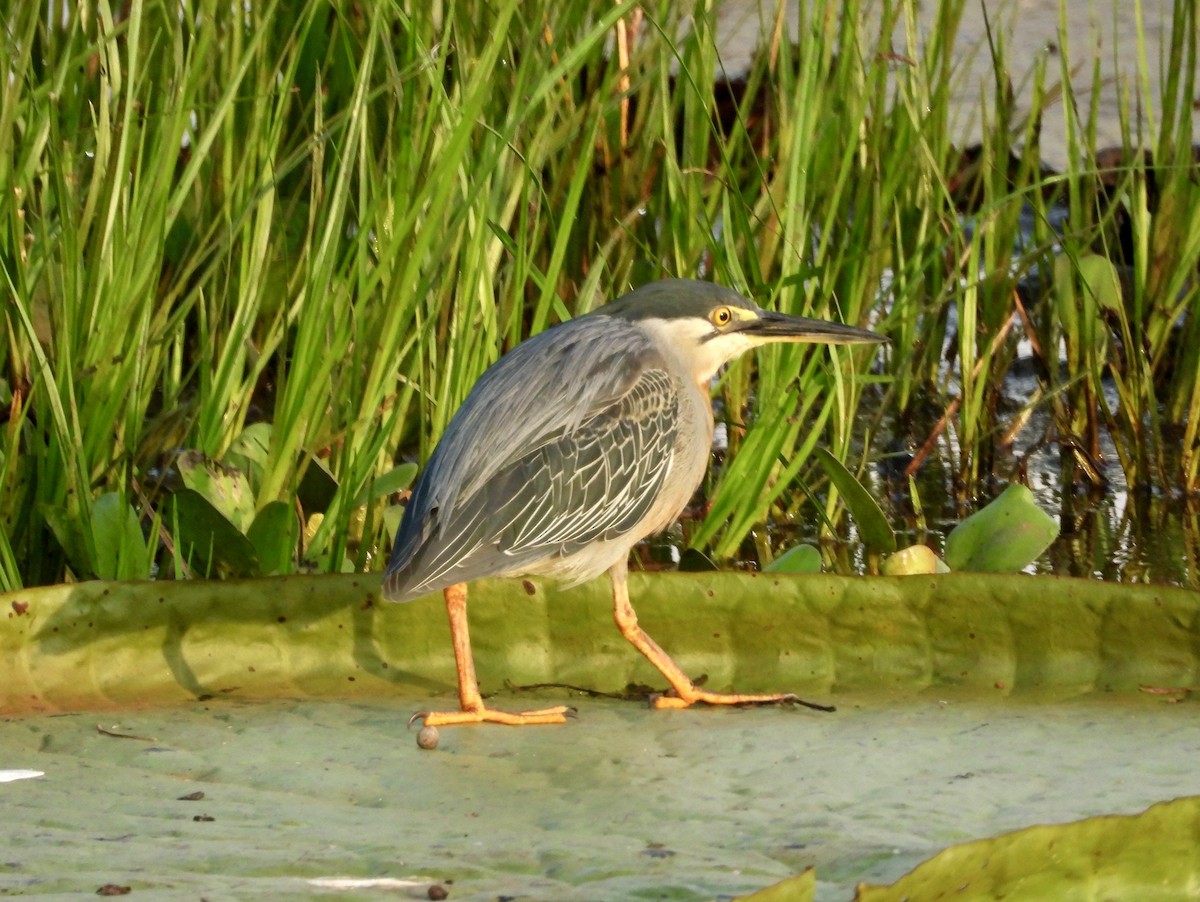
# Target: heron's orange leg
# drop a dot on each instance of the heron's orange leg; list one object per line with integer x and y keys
{"x": 686, "y": 693}
{"x": 473, "y": 710}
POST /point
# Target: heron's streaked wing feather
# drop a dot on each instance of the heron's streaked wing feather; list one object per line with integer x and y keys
{"x": 597, "y": 482}
{"x": 592, "y": 484}
{"x": 546, "y": 386}
{"x": 562, "y": 441}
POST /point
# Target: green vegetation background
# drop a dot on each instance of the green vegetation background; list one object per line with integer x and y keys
{"x": 286, "y": 238}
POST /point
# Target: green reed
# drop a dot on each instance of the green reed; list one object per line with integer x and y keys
{"x": 291, "y": 236}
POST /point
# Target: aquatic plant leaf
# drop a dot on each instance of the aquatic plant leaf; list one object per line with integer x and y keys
{"x": 800, "y": 559}
{"x": 98, "y": 644}
{"x": 207, "y": 541}
{"x": 121, "y": 551}
{"x": 273, "y": 535}
{"x": 392, "y": 515}
{"x": 693, "y": 560}
{"x": 913, "y": 560}
{"x": 317, "y": 487}
{"x": 249, "y": 451}
{"x": 225, "y": 488}
{"x": 1083, "y": 287}
{"x": 1008, "y": 534}
{"x": 75, "y": 540}
{"x": 872, "y": 525}
{"x": 394, "y": 480}
{"x": 1148, "y": 856}
{"x": 1100, "y": 277}
{"x": 620, "y": 804}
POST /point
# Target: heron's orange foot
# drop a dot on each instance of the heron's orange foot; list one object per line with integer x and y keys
{"x": 556, "y": 714}
{"x": 690, "y": 697}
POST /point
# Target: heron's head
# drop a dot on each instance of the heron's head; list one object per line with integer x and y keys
{"x": 708, "y": 325}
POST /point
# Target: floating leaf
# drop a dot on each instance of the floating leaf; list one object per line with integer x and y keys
{"x": 1154, "y": 855}
{"x": 856, "y": 792}
{"x": 913, "y": 560}
{"x": 1007, "y": 535}
{"x": 800, "y": 559}
{"x": 755, "y": 633}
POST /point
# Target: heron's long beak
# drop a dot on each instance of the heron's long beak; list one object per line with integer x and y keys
{"x": 771, "y": 326}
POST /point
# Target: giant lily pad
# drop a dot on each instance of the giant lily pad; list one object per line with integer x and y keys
{"x": 1008, "y": 534}
{"x": 223, "y": 798}
{"x": 1148, "y": 856}
{"x": 256, "y": 729}
{"x": 97, "y": 644}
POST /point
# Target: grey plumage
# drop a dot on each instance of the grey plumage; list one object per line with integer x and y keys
{"x": 603, "y": 416}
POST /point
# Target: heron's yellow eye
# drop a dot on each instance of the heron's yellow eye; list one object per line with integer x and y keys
{"x": 722, "y": 316}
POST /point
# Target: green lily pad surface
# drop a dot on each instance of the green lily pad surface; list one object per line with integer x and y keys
{"x": 249, "y": 739}
{"x": 97, "y": 644}
{"x": 622, "y": 803}
{"x": 1148, "y": 856}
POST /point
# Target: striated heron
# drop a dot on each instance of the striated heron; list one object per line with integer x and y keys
{"x": 569, "y": 450}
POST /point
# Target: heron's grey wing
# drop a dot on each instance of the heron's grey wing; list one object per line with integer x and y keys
{"x": 597, "y": 482}
{"x": 544, "y": 389}
{"x": 592, "y": 481}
